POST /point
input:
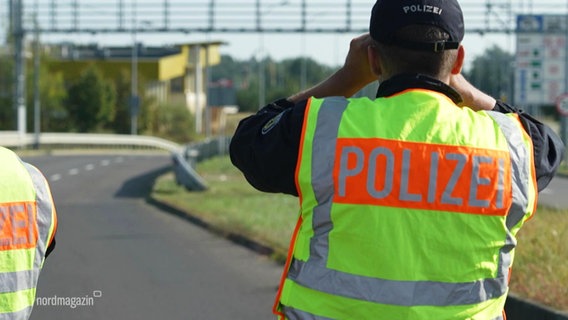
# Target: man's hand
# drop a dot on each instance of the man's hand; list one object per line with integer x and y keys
{"x": 356, "y": 69}
{"x": 473, "y": 98}
{"x": 353, "y": 76}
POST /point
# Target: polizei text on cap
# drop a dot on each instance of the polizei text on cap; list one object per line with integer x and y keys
{"x": 422, "y": 8}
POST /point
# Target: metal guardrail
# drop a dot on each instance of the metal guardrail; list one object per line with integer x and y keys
{"x": 184, "y": 158}
{"x": 13, "y": 139}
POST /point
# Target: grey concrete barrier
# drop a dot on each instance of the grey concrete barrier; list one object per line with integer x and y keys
{"x": 186, "y": 161}
{"x": 186, "y": 175}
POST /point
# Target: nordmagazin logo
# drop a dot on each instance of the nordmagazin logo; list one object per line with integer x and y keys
{"x": 69, "y": 302}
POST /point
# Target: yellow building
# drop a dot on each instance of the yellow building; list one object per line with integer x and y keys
{"x": 172, "y": 74}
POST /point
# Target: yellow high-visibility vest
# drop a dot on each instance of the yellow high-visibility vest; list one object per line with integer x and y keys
{"x": 409, "y": 210}
{"x": 27, "y": 225}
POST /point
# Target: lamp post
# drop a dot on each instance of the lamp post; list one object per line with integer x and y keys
{"x": 134, "y": 99}
{"x": 37, "y": 98}
{"x": 16, "y": 13}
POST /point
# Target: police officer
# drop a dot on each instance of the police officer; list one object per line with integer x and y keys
{"x": 28, "y": 224}
{"x": 410, "y": 202}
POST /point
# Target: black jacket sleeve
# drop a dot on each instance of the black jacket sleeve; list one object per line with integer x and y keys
{"x": 548, "y": 147}
{"x": 265, "y": 146}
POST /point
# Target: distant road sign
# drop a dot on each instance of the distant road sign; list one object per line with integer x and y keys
{"x": 562, "y": 105}
{"x": 540, "y": 59}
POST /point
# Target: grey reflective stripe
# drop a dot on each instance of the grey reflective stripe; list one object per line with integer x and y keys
{"x": 44, "y": 212}
{"x": 323, "y": 156}
{"x": 18, "y": 280}
{"x": 23, "y": 314}
{"x": 295, "y": 314}
{"x": 401, "y": 293}
{"x": 521, "y": 175}
{"x": 520, "y": 163}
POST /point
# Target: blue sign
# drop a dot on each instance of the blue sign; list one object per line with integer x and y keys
{"x": 528, "y": 23}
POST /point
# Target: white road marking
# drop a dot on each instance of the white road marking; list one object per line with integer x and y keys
{"x": 88, "y": 167}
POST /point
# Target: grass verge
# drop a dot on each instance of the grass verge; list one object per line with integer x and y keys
{"x": 232, "y": 206}
{"x": 540, "y": 272}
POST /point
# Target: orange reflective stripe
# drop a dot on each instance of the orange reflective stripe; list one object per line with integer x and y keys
{"x": 424, "y": 176}
{"x": 275, "y": 307}
{"x": 18, "y": 227}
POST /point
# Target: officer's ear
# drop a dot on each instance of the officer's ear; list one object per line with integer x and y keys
{"x": 458, "y": 64}
{"x": 374, "y": 61}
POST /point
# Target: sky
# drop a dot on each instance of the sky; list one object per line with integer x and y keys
{"x": 329, "y": 49}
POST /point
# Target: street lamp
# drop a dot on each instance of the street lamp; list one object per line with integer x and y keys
{"x": 134, "y": 99}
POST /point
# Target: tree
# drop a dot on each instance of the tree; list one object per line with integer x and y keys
{"x": 281, "y": 79}
{"x": 173, "y": 122}
{"x": 91, "y": 101}
{"x": 492, "y": 73}
{"x": 121, "y": 123}
{"x": 122, "y": 119}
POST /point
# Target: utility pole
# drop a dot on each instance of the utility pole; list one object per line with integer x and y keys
{"x": 19, "y": 66}
{"x": 134, "y": 99}
{"x": 37, "y": 102}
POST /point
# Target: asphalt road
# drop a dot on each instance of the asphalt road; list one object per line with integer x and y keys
{"x": 556, "y": 194}
{"x": 118, "y": 257}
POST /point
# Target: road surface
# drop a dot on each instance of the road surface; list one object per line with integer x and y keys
{"x": 556, "y": 194}
{"x": 118, "y": 257}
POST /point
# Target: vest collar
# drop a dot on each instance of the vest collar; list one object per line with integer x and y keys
{"x": 403, "y": 82}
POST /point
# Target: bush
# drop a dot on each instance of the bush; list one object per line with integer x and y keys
{"x": 173, "y": 122}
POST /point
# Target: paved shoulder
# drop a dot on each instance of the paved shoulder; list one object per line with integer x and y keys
{"x": 556, "y": 194}
{"x": 118, "y": 257}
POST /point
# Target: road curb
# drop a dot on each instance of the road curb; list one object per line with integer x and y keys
{"x": 522, "y": 309}
{"x": 236, "y": 238}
